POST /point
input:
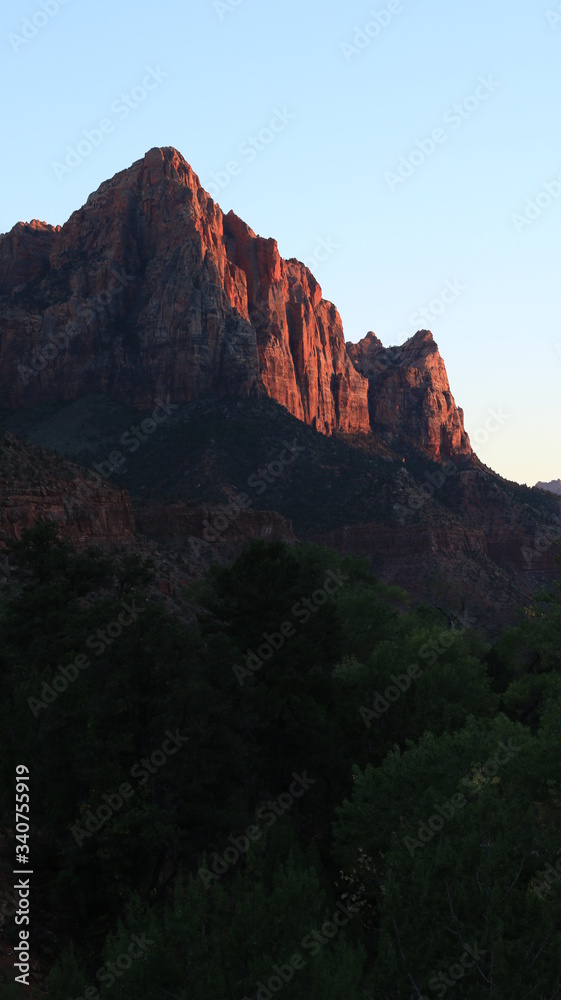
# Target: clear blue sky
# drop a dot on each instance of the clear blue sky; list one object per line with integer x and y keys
{"x": 330, "y": 172}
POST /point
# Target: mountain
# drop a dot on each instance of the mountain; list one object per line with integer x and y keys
{"x": 218, "y": 472}
{"x": 553, "y": 487}
{"x": 171, "y": 349}
{"x": 149, "y": 291}
{"x": 409, "y": 396}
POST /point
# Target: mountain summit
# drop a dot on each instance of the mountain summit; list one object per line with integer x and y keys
{"x": 409, "y": 395}
{"x": 149, "y": 291}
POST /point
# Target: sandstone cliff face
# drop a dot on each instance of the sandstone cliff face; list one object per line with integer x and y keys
{"x": 149, "y": 292}
{"x": 409, "y": 396}
{"x": 304, "y": 363}
{"x": 85, "y": 516}
{"x": 37, "y": 486}
{"x": 176, "y": 522}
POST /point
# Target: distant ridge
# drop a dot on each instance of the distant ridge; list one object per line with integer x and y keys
{"x": 553, "y": 487}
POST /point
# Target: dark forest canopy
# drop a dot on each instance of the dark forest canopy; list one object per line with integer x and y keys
{"x": 308, "y": 783}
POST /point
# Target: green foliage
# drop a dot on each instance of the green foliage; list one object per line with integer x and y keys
{"x": 389, "y": 715}
{"x": 227, "y": 939}
{"x": 470, "y": 862}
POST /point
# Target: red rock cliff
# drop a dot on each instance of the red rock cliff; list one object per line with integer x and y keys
{"x": 148, "y": 291}
{"x": 409, "y": 396}
{"x": 303, "y": 359}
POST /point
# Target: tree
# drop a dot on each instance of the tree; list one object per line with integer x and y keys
{"x": 452, "y": 824}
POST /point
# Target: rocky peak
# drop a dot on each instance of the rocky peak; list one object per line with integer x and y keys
{"x": 24, "y": 253}
{"x": 149, "y": 291}
{"x": 553, "y": 487}
{"x": 409, "y": 398}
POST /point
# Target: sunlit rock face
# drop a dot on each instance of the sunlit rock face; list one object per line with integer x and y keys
{"x": 409, "y": 396}
{"x": 149, "y": 292}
